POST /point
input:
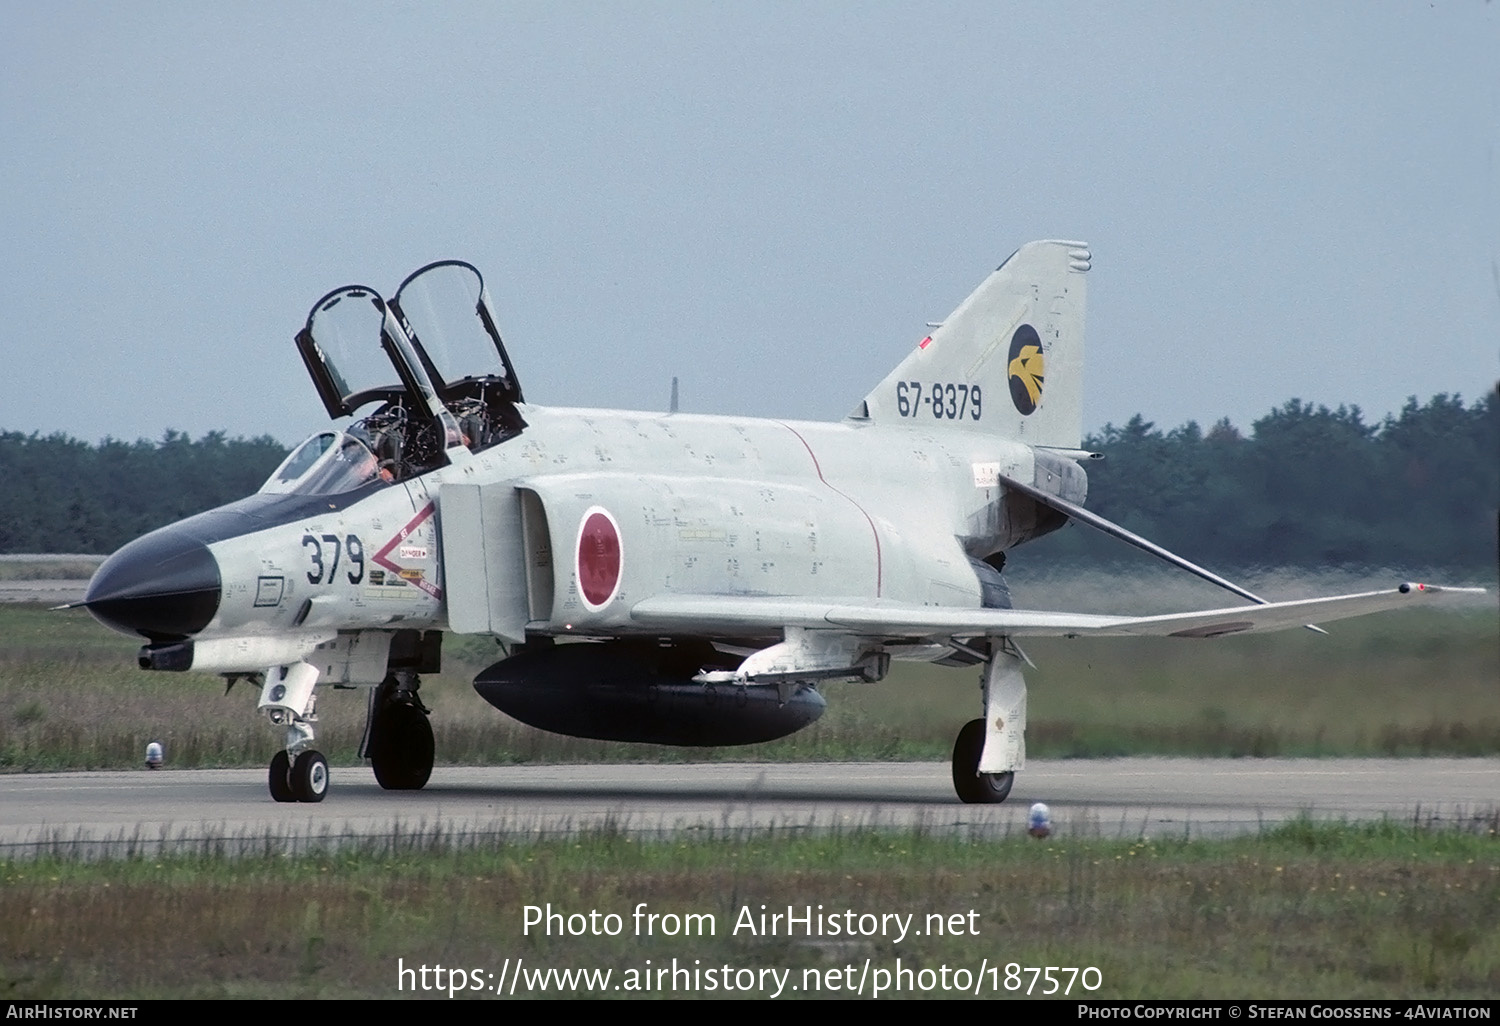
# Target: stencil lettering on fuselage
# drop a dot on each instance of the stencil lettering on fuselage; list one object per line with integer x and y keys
{"x": 268, "y": 591}
{"x": 397, "y": 572}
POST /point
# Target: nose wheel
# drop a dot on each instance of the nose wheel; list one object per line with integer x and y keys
{"x": 305, "y": 780}
{"x": 280, "y": 778}
{"x": 298, "y": 773}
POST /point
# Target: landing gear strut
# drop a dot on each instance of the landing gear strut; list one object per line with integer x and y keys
{"x": 298, "y": 773}
{"x": 399, "y": 739}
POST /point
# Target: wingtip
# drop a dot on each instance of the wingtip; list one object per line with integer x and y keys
{"x": 1407, "y": 587}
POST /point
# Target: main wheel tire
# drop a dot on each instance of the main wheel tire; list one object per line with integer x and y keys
{"x": 310, "y": 776}
{"x": 279, "y": 778}
{"x": 402, "y": 749}
{"x": 974, "y": 787}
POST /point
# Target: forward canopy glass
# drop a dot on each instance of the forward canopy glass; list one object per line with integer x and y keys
{"x": 328, "y": 463}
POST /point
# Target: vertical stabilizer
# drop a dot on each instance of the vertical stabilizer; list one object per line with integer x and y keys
{"x": 1007, "y": 362}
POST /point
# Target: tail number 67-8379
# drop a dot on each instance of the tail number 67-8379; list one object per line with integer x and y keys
{"x": 945, "y": 400}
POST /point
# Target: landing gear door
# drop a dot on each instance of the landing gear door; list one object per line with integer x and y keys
{"x": 445, "y": 309}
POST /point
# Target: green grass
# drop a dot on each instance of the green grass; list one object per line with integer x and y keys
{"x": 1382, "y": 910}
{"x": 1420, "y": 683}
{"x": 1306, "y": 910}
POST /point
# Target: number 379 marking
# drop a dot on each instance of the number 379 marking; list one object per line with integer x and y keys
{"x": 943, "y": 399}
{"x": 324, "y": 552}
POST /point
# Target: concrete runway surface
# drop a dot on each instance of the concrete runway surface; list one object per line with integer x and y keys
{"x": 46, "y": 593}
{"x": 112, "y": 813}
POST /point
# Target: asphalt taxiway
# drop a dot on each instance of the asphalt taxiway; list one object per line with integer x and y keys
{"x": 45, "y": 593}
{"x": 230, "y": 810}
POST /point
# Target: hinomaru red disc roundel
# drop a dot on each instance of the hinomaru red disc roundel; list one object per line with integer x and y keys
{"x": 598, "y": 558}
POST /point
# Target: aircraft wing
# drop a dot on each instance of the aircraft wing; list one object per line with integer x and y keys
{"x": 733, "y": 614}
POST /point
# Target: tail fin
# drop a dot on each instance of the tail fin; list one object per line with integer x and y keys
{"x": 1008, "y": 361}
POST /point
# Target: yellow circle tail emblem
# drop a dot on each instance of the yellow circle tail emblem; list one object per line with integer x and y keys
{"x": 1026, "y": 369}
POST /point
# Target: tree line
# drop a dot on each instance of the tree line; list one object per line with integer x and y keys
{"x": 59, "y": 494}
{"x": 1308, "y": 486}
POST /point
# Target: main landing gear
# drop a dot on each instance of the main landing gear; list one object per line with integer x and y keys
{"x": 398, "y": 736}
{"x": 972, "y": 786}
{"x": 1002, "y": 730}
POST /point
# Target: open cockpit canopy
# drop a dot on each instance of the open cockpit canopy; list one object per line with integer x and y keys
{"x": 455, "y": 386}
{"x": 445, "y": 309}
{"x": 338, "y": 346}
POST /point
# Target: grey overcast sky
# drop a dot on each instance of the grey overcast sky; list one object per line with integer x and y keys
{"x": 767, "y": 200}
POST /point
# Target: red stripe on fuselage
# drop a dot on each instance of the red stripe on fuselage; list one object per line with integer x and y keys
{"x": 380, "y": 557}
{"x": 879, "y": 565}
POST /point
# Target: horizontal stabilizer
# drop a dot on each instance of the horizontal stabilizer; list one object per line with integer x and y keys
{"x": 1090, "y": 519}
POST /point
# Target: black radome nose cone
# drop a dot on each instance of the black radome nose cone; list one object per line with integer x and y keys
{"x": 164, "y": 586}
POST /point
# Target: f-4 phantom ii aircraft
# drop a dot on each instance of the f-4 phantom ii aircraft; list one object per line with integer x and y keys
{"x": 712, "y": 570}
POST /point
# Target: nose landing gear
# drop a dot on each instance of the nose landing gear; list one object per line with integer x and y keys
{"x": 298, "y": 773}
{"x": 309, "y": 776}
{"x": 280, "y": 778}
{"x": 305, "y": 780}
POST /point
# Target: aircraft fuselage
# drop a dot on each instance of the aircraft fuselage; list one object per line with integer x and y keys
{"x": 690, "y": 504}
{"x": 720, "y": 568}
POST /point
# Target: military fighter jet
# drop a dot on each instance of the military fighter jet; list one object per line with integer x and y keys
{"x": 659, "y": 577}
